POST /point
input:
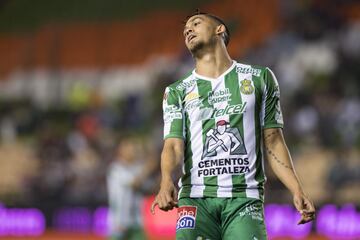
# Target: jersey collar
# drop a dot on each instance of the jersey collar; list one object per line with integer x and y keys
{"x": 220, "y": 77}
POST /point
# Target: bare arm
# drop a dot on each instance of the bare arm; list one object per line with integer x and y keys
{"x": 280, "y": 161}
{"x": 171, "y": 157}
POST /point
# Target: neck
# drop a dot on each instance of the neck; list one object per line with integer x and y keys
{"x": 212, "y": 62}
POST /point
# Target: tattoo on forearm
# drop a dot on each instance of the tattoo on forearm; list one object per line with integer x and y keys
{"x": 277, "y": 160}
{"x": 269, "y": 135}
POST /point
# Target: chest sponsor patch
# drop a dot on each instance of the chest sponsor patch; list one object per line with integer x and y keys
{"x": 222, "y": 95}
{"x": 186, "y": 217}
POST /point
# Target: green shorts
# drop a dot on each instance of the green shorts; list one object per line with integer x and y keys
{"x": 220, "y": 218}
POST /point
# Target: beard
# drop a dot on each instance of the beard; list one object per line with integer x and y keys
{"x": 197, "y": 47}
{"x": 201, "y": 47}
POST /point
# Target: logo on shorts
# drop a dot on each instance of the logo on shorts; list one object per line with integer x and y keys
{"x": 186, "y": 217}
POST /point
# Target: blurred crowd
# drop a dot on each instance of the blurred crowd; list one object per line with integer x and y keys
{"x": 315, "y": 57}
{"x": 61, "y": 155}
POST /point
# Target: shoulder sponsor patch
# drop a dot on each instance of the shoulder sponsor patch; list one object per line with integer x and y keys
{"x": 186, "y": 217}
{"x": 249, "y": 70}
{"x": 172, "y": 112}
{"x": 185, "y": 84}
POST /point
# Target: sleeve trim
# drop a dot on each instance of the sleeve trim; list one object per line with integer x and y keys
{"x": 174, "y": 135}
{"x": 273, "y": 125}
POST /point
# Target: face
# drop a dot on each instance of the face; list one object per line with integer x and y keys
{"x": 221, "y": 129}
{"x": 199, "y": 31}
{"x": 127, "y": 151}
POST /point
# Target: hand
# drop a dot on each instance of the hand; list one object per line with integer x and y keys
{"x": 305, "y": 207}
{"x": 220, "y": 142}
{"x": 166, "y": 199}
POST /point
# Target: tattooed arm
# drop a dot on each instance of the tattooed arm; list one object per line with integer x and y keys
{"x": 280, "y": 161}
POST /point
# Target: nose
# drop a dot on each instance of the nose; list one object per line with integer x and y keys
{"x": 188, "y": 31}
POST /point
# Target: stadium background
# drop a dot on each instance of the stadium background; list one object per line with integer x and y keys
{"x": 76, "y": 75}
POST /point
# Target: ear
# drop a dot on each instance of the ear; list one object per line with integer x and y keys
{"x": 220, "y": 29}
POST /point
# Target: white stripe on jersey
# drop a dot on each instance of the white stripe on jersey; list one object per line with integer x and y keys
{"x": 180, "y": 184}
{"x": 224, "y": 180}
{"x": 167, "y": 125}
{"x": 262, "y": 119}
{"x": 197, "y": 188}
{"x": 249, "y": 137}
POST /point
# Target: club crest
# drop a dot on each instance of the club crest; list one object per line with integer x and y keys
{"x": 246, "y": 87}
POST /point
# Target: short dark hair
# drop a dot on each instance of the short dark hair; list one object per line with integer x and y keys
{"x": 226, "y": 35}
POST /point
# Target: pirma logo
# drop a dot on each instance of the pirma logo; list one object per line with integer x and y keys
{"x": 186, "y": 217}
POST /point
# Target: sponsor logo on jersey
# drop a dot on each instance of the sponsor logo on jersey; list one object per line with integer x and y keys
{"x": 186, "y": 84}
{"x": 223, "y": 141}
{"x": 249, "y": 70}
{"x": 246, "y": 87}
{"x": 191, "y": 96}
{"x": 208, "y": 113}
{"x": 172, "y": 112}
{"x": 216, "y": 167}
{"x": 222, "y": 95}
{"x": 193, "y": 103}
{"x": 229, "y": 109}
{"x": 253, "y": 211}
{"x": 223, "y": 138}
{"x": 186, "y": 217}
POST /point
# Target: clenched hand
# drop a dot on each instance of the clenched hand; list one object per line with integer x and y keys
{"x": 166, "y": 199}
{"x": 305, "y": 207}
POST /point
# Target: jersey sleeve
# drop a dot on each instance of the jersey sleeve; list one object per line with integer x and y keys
{"x": 173, "y": 114}
{"x": 272, "y": 115}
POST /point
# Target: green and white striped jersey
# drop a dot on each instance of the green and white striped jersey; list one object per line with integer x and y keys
{"x": 221, "y": 121}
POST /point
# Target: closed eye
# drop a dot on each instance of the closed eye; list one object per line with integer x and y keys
{"x": 194, "y": 23}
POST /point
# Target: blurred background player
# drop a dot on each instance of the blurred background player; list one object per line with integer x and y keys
{"x": 123, "y": 180}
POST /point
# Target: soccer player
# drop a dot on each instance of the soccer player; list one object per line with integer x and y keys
{"x": 124, "y": 199}
{"x": 222, "y": 187}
